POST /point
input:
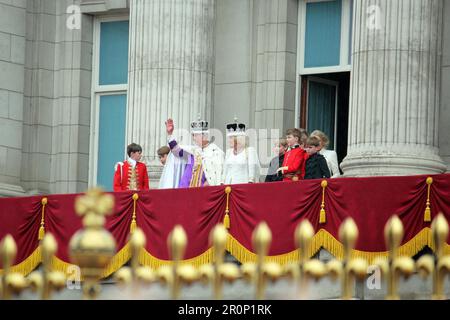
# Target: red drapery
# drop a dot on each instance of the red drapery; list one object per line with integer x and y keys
{"x": 369, "y": 201}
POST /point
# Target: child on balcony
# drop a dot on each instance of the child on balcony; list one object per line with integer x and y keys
{"x": 316, "y": 165}
{"x": 294, "y": 160}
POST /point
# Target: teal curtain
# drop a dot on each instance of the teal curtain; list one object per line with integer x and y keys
{"x": 111, "y": 141}
{"x": 322, "y": 109}
{"x": 323, "y": 34}
{"x": 114, "y": 52}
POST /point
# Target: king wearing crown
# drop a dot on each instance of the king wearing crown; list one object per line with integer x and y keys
{"x": 203, "y": 160}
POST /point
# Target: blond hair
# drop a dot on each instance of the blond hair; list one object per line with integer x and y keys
{"x": 322, "y": 136}
{"x": 313, "y": 141}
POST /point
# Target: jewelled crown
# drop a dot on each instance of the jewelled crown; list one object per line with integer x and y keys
{"x": 235, "y": 129}
{"x": 199, "y": 126}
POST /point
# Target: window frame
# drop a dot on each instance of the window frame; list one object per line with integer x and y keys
{"x": 345, "y": 63}
{"x": 97, "y": 91}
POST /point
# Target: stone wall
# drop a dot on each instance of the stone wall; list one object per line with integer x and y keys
{"x": 12, "y": 61}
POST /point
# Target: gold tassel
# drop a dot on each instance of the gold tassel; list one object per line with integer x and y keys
{"x": 41, "y": 228}
{"x": 133, "y": 225}
{"x": 427, "y": 215}
{"x": 322, "y": 217}
{"x": 226, "y": 219}
{"x": 41, "y": 233}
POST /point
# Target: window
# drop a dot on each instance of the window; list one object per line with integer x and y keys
{"x": 324, "y": 36}
{"x": 109, "y": 99}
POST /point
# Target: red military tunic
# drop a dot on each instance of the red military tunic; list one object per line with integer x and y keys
{"x": 128, "y": 178}
{"x": 294, "y": 164}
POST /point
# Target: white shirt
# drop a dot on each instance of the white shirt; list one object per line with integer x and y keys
{"x": 332, "y": 162}
{"x": 132, "y": 162}
{"x": 243, "y": 167}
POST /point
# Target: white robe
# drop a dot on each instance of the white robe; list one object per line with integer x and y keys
{"x": 172, "y": 172}
{"x": 243, "y": 167}
{"x": 212, "y": 160}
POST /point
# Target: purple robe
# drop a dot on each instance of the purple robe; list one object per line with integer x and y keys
{"x": 187, "y": 176}
{"x": 185, "y": 180}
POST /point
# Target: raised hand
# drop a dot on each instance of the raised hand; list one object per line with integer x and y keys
{"x": 169, "y": 126}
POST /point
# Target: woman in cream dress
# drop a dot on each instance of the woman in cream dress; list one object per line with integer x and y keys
{"x": 241, "y": 161}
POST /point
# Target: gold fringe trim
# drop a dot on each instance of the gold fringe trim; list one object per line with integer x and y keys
{"x": 146, "y": 259}
{"x": 242, "y": 254}
{"x": 29, "y": 264}
{"x": 323, "y": 239}
{"x": 119, "y": 259}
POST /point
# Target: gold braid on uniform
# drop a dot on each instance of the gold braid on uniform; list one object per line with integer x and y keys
{"x": 132, "y": 178}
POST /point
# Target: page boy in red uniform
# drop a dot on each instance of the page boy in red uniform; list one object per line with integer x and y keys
{"x": 293, "y": 168}
{"x": 131, "y": 174}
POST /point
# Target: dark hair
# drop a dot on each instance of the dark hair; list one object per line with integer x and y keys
{"x": 163, "y": 151}
{"x": 313, "y": 141}
{"x": 134, "y": 147}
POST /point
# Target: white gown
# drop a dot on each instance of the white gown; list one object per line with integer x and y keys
{"x": 243, "y": 167}
{"x": 332, "y": 162}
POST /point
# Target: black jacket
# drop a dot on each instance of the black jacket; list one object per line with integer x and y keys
{"x": 316, "y": 167}
{"x": 272, "y": 174}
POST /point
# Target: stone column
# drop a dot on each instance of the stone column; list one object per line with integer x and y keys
{"x": 395, "y": 88}
{"x": 275, "y": 71}
{"x": 170, "y": 70}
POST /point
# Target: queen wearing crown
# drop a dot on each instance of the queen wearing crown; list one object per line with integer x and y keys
{"x": 202, "y": 162}
{"x": 241, "y": 161}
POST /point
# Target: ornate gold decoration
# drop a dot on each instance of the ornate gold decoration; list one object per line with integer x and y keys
{"x": 219, "y": 271}
{"x": 133, "y": 224}
{"x": 226, "y": 219}
{"x": 427, "y": 214}
{"x": 47, "y": 280}
{"x": 92, "y": 247}
{"x": 323, "y": 217}
{"x": 136, "y": 273}
{"x": 177, "y": 274}
{"x": 10, "y": 282}
{"x": 260, "y": 272}
{"x": 197, "y": 172}
{"x": 438, "y": 266}
{"x": 395, "y": 266}
{"x": 132, "y": 178}
{"x": 41, "y": 228}
{"x": 306, "y": 268}
{"x": 349, "y": 269}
